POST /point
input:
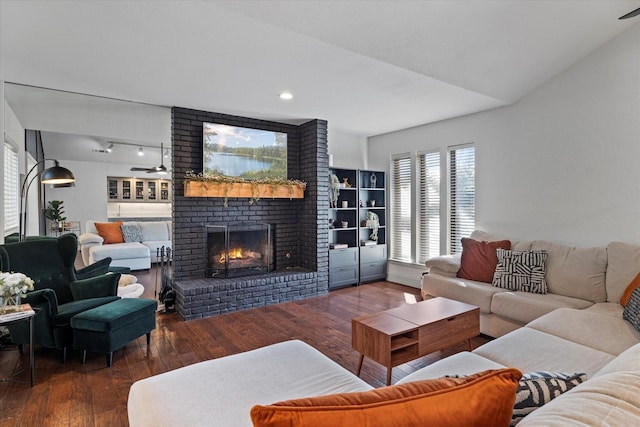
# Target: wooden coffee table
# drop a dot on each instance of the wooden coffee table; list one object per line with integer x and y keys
{"x": 399, "y": 335}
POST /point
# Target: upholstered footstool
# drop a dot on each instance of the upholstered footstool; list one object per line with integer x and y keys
{"x": 111, "y": 326}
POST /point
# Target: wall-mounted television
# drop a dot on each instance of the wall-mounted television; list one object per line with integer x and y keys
{"x": 243, "y": 152}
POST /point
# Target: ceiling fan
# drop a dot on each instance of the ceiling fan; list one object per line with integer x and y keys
{"x": 162, "y": 169}
{"x": 631, "y": 14}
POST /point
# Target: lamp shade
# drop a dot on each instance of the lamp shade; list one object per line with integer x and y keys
{"x": 57, "y": 175}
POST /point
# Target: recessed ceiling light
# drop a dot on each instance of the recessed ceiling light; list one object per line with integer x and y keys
{"x": 140, "y": 151}
{"x": 286, "y": 95}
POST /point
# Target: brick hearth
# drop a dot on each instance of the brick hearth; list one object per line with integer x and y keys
{"x": 300, "y": 226}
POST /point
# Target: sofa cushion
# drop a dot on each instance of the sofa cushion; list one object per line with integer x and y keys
{"x": 463, "y": 363}
{"x": 530, "y": 350}
{"x": 623, "y": 266}
{"x": 483, "y": 399}
{"x": 575, "y": 272}
{"x": 525, "y": 307}
{"x": 131, "y": 232}
{"x": 536, "y": 389}
{"x": 608, "y": 400}
{"x": 609, "y": 308}
{"x": 628, "y": 360}
{"x": 479, "y": 259}
{"x": 111, "y": 232}
{"x": 521, "y": 271}
{"x": 119, "y": 251}
{"x": 467, "y": 291}
{"x": 154, "y": 230}
{"x": 229, "y": 386}
{"x": 596, "y": 330}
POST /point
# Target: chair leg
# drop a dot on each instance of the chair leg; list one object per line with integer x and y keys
{"x": 21, "y": 349}
{"x": 109, "y": 359}
{"x": 84, "y": 356}
{"x": 148, "y": 342}
{"x": 64, "y": 354}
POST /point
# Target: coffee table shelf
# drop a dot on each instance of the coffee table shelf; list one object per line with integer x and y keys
{"x": 405, "y": 333}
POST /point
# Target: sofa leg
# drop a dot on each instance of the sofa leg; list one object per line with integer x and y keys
{"x": 109, "y": 359}
{"x": 148, "y": 342}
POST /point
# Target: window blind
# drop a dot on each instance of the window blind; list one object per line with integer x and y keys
{"x": 11, "y": 195}
{"x": 462, "y": 194}
{"x": 401, "y": 190}
{"x": 428, "y": 165}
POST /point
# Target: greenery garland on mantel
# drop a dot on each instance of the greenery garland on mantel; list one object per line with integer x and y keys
{"x": 257, "y": 186}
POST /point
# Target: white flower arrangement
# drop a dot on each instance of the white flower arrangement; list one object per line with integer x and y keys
{"x": 14, "y": 285}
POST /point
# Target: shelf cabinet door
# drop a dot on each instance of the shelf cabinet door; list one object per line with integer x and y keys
{"x": 138, "y": 190}
{"x": 165, "y": 191}
{"x": 152, "y": 191}
{"x": 126, "y": 190}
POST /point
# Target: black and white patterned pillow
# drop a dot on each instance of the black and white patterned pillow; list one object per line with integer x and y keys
{"x": 537, "y": 388}
{"x": 521, "y": 271}
{"x": 631, "y": 311}
{"x": 131, "y": 233}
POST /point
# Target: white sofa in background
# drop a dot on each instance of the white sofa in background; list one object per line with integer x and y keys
{"x": 576, "y": 278}
{"x": 134, "y": 255}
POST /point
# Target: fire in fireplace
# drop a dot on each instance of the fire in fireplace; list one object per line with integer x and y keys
{"x": 239, "y": 249}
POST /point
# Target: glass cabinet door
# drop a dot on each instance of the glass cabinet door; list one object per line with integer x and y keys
{"x": 112, "y": 189}
{"x": 151, "y": 190}
{"x": 139, "y": 190}
{"x": 164, "y": 191}
{"x": 126, "y": 190}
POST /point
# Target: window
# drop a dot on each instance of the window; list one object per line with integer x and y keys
{"x": 428, "y": 205}
{"x": 444, "y": 207}
{"x": 11, "y": 194}
{"x": 462, "y": 195}
{"x": 401, "y": 222}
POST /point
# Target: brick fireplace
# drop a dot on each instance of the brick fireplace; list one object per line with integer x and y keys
{"x": 299, "y": 226}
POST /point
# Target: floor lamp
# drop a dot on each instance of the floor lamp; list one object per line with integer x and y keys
{"x": 54, "y": 175}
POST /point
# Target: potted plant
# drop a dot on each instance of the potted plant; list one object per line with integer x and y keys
{"x": 53, "y": 212}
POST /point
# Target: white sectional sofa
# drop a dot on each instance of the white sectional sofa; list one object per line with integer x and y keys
{"x": 578, "y": 330}
{"x": 222, "y": 391}
{"x": 136, "y": 255}
{"x": 576, "y": 278}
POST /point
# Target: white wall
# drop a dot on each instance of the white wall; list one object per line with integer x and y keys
{"x": 88, "y": 199}
{"x": 561, "y": 164}
{"x": 349, "y": 151}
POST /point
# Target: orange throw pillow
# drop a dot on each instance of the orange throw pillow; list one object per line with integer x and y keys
{"x": 482, "y": 399}
{"x": 479, "y": 259}
{"x": 111, "y": 232}
{"x": 630, "y": 288}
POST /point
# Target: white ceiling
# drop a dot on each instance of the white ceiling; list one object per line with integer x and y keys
{"x": 368, "y": 67}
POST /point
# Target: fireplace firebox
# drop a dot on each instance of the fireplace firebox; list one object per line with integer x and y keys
{"x": 239, "y": 249}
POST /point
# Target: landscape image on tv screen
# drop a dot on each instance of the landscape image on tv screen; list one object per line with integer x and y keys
{"x": 243, "y": 152}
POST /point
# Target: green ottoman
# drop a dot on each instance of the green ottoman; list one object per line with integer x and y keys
{"x": 111, "y": 326}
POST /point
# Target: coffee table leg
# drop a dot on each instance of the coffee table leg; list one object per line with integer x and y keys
{"x": 360, "y": 364}
{"x": 389, "y": 375}
{"x": 470, "y": 345}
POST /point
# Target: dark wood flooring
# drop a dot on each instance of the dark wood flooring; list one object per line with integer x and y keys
{"x": 73, "y": 394}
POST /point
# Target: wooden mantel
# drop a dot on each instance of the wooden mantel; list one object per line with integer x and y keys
{"x": 242, "y": 190}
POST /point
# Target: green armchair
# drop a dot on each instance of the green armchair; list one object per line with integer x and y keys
{"x": 60, "y": 292}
